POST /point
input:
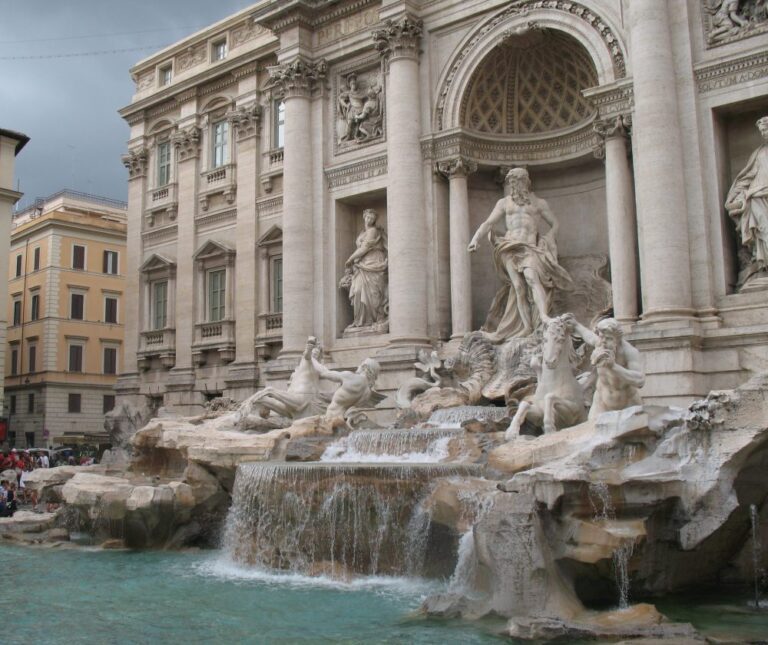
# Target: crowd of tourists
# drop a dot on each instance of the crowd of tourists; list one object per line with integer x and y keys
{"x": 15, "y": 467}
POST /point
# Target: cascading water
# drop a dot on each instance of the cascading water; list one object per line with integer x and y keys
{"x": 454, "y": 417}
{"x": 417, "y": 445}
{"x": 603, "y": 511}
{"x": 339, "y": 519}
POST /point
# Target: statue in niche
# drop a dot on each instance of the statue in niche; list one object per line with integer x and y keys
{"x": 355, "y": 390}
{"x": 361, "y": 111}
{"x": 365, "y": 277}
{"x": 747, "y": 204}
{"x": 618, "y": 373}
{"x": 525, "y": 260}
{"x": 302, "y": 397}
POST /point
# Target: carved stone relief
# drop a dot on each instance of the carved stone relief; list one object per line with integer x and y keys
{"x": 192, "y": 57}
{"x": 591, "y": 294}
{"x": 359, "y": 108}
{"x": 729, "y": 20}
{"x": 136, "y": 162}
{"x": 245, "y": 120}
{"x": 187, "y": 142}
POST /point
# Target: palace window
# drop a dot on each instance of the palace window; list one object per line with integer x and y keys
{"x": 159, "y": 304}
{"x": 279, "y": 133}
{"x": 36, "y": 259}
{"x": 110, "y": 360}
{"x": 165, "y": 75}
{"x": 163, "y": 163}
{"x": 31, "y": 402}
{"x": 78, "y": 256}
{"x": 216, "y": 294}
{"x": 109, "y": 262}
{"x": 77, "y": 306}
{"x": 220, "y": 133}
{"x": 32, "y": 367}
{"x": 276, "y": 273}
{"x": 18, "y": 265}
{"x": 108, "y": 403}
{"x": 74, "y": 403}
{"x": 34, "y": 313}
{"x": 12, "y": 409}
{"x": 75, "y": 358}
{"x": 14, "y": 361}
{"x": 110, "y": 310}
{"x": 219, "y": 50}
{"x": 17, "y": 311}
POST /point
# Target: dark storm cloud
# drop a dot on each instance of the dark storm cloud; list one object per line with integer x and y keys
{"x": 68, "y": 105}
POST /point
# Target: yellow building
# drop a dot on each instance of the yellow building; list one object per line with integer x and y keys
{"x": 65, "y": 317}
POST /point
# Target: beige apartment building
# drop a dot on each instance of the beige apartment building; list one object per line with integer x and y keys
{"x": 11, "y": 144}
{"x": 66, "y": 309}
{"x": 258, "y": 144}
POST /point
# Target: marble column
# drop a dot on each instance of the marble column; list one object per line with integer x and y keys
{"x": 246, "y": 126}
{"x": 457, "y": 171}
{"x": 136, "y": 161}
{"x": 398, "y": 41}
{"x": 665, "y": 267}
{"x": 187, "y": 144}
{"x": 622, "y": 225}
{"x": 296, "y": 80}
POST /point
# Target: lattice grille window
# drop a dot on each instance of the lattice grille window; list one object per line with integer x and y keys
{"x": 525, "y": 90}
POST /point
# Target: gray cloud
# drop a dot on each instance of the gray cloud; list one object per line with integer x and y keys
{"x": 68, "y": 105}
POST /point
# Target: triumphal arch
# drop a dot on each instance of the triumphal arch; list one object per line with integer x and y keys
{"x": 392, "y": 175}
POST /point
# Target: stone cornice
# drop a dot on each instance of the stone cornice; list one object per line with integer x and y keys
{"x": 496, "y": 151}
{"x": 136, "y": 161}
{"x": 613, "y": 99}
{"x": 743, "y": 69}
{"x": 398, "y": 38}
{"x": 298, "y": 77}
{"x": 355, "y": 171}
{"x": 279, "y": 16}
{"x": 187, "y": 142}
{"x": 457, "y": 167}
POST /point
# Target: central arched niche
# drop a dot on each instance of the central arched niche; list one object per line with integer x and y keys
{"x": 529, "y": 88}
{"x": 530, "y": 84}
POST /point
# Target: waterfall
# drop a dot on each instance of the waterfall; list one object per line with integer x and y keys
{"x": 453, "y": 417}
{"x": 603, "y": 511}
{"x": 756, "y": 552}
{"x": 461, "y": 581}
{"x": 340, "y": 519}
{"x": 417, "y": 445}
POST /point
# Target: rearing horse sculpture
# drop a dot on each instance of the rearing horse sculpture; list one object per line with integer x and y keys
{"x": 558, "y": 401}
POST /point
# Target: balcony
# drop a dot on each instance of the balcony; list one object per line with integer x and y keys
{"x": 221, "y": 180}
{"x": 214, "y": 337}
{"x": 273, "y": 166}
{"x": 162, "y": 205}
{"x": 160, "y": 344}
{"x": 269, "y": 336}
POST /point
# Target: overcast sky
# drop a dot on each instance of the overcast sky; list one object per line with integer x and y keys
{"x": 67, "y": 104}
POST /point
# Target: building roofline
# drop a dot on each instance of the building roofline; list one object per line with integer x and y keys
{"x": 21, "y": 139}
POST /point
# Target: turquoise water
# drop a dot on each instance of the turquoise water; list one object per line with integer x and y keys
{"x": 103, "y": 597}
{"x": 95, "y": 597}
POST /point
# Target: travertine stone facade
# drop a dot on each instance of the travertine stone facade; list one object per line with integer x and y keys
{"x": 248, "y": 175}
{"x": 66, "y": 309}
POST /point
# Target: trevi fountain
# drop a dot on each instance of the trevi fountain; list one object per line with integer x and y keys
{"x": 556, "y": 473}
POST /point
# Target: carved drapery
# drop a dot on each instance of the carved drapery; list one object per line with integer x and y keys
{"x": 398, "y": 38}
{"x": 187, "y": 142}
{"x": 297, "y": 78}
{"x": 136, "y": 161}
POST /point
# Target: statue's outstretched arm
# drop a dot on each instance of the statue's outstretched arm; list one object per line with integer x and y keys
{"x": 496, "y": 215}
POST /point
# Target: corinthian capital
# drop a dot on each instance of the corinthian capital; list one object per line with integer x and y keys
{"x": 614, "y": 126}
{"x": 457, "y": 167}
{"x": 297, "y": 78}
{"x": 187, "y": 142}
{"x": 396, "y": 38}
{"x": 245, "y": 120}
{"x": 136, "y": 161}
